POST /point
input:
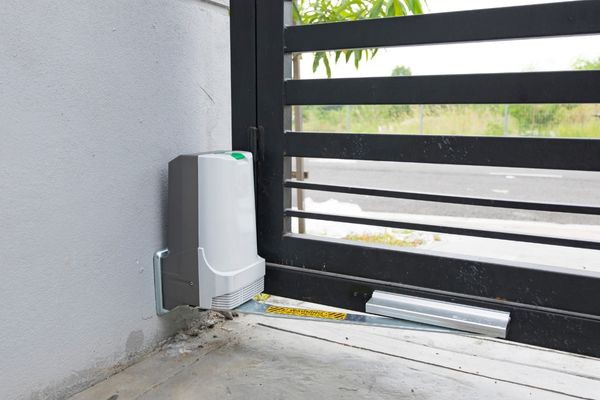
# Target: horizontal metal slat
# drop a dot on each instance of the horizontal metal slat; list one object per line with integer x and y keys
{"x": 555, "y": 241}
{"x": 443, "y": 198}
{"x": 502, "y": 88}
{"x": 557, "y": 19}
{"x": 534, "y": 284}
{"x": 546, "y": 153}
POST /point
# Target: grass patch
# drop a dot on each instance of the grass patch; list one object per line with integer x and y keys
{"x": 581, "y": 120}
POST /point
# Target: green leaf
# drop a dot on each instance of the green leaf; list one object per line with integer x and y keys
{"x": 337, "y": 55}
{"x": 326, "y": 63}
{"x": 296, "y": 14}
{"x": 316, "y": 61}
{"x": 376, "y": 9}
{"x": 390, "y": 8}
{"x": 399, "y": 8}
{"x": 357, "y": 57}
{"x": 416, "y": 6}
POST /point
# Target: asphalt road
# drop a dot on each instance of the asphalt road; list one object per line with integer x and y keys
{"x": 573, "y": 187}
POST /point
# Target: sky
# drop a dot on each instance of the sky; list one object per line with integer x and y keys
{"x": 548, "y": 54}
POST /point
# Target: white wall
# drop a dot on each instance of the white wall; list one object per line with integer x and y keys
{"x": 96, "y": 96}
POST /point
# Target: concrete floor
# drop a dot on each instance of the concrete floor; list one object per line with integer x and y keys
{"x": 254, "y": 357}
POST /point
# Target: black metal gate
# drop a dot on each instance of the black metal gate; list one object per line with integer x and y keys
{"x": 549, "y": 307}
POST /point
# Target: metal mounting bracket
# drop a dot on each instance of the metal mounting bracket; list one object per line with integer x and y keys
{"x": 158, "y": 295}
{"x": 484, "y": 321}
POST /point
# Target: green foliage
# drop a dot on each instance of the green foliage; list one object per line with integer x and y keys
{"x": 570, "y": 120}
{"x": 401, "y": 70}
{"x": 325, "y": 11}
{"x": 535, "y": 116}
{"x": 588, "y": 64}
{"x": 494, "y": 128}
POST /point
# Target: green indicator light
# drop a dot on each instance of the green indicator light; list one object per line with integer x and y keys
{"x": 237, "y": 156}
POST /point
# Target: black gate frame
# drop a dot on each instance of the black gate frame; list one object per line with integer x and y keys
{"x": 549, "y": 307}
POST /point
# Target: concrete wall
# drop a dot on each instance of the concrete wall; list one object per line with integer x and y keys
{"x": 95, "y": 98}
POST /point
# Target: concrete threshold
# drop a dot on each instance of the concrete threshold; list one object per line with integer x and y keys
{"x": 253, "y": 357}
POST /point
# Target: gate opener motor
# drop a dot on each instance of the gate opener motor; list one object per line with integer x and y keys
{"x": 211, "y": 260}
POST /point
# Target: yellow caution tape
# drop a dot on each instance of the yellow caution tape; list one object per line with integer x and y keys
{"x": 299, "y": 312}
